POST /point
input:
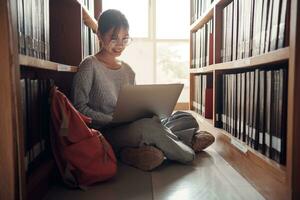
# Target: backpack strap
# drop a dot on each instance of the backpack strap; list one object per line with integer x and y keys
{"x": 64, "y": 126}
{"x": 65, "y": 121}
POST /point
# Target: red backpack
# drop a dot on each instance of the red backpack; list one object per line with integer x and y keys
{"x": 83, "y": 156}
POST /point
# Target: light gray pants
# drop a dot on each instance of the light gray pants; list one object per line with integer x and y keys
{"x": 172, "y": 135}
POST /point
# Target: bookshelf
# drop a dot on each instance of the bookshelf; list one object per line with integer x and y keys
{"x": 61, "y": 34}
{"x": 272, "y": 179}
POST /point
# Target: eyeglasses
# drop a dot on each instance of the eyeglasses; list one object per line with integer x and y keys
{"x": 124, "y": 42}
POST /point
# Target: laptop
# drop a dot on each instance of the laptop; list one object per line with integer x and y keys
{"x": 140, "y": 101}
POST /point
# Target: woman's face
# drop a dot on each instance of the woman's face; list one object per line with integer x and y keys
{"x": 115, "y": 43}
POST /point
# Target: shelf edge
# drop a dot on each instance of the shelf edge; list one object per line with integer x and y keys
{"x": 88, "y": 20}
{"x": 29, "y": 61}
{"x": 268, "y": 58}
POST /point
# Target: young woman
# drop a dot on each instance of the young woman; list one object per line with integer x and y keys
{"x": 143, "y": 143}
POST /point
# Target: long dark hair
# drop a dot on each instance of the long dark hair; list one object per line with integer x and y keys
{"x": 111, "y": 19}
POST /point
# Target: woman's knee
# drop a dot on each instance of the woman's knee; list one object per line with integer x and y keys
{"x": 148, "y": 127}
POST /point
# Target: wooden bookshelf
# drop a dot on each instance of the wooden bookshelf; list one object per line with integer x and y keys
{"x": 273, "y": 180}
{"x": 10, "y": 116}
{"x": 67, "y": 19}
{"x": 209, "y": 13}
{"x": 45, "y": 64}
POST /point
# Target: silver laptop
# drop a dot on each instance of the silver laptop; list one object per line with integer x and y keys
{"x": 139, "y": 101}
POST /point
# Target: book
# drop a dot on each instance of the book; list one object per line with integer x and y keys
{"x": 269, "y": 26}
{"x": 258, "y": 12}
{"x": 24, "y": 112}
{"x": 235, "y": 29}
{"x": 223, "y": 105}
{"x": 208, "y": 112}
{"x": 251, "y": 110}
{"x": 200, "y": 94}
{"x": 282, "y": 32}
{"x": 224, "y": 32}
{"x": 234, "y": 104}
{"x": 229, "y": 32}
{"x": 265, "y": 14}
{"x": 249, "y": 25}
{"x": 269, "y": 112}
{"x": 204, "y": 83}
{"x": 243, "y": 107}
{"x": 209, "y": 103}
{"x": 255, "y": 131}
{"x": 211, "y": 43}
{"x": 240, "y": 29}
{"x": 282, "y": 127}
{"x": 248, "y": 102}
{"x": 21, "y": 31}
{"x": 238, "y": 104}
{"x": 262, "y": 111}
{"x": 227, "y": 103}
{"x": 274, "y": 24}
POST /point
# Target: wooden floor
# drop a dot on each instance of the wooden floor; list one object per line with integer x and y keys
{"x": 208, "y": 177}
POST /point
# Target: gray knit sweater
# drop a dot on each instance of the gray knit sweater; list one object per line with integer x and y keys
{"x": 95, "y": 89}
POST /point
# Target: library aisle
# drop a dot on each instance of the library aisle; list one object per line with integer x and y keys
{"x": 244, "y": 88}
{"x": 208, "y": 177}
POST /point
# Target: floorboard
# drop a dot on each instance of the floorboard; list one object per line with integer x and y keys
{"x": 208, "y": 177}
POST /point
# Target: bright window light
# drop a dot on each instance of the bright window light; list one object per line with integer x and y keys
{"x": 136, "y": 12}
{"x": 172, "y": 19}
{"x": 173, "y": 65}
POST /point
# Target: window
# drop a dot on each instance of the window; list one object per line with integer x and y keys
{"x": 160, "y": 29}
{"x": 172, "y": 63}
{"x": 136, "y": 12}
{"x": 172, "y": 19}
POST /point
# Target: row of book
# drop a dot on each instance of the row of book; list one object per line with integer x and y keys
{"x": 202, "y": 46}
{"x": 253, "y": 109}
{"x": 203, "y": 95}
{"x": 33, "y": 28}
{"x": 36, "y": 113}
{"x": 253, "y": 27}
{"x": 198, "y": 8}
{"x": 91, "y": 43}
